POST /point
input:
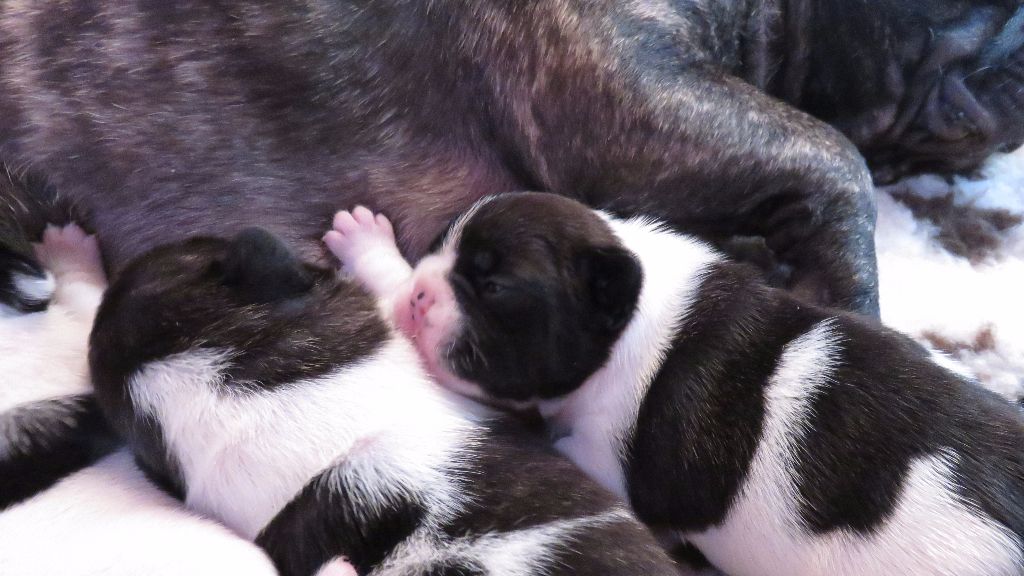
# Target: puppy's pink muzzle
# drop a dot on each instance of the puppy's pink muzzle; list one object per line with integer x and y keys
{"x": 426, "y": 310}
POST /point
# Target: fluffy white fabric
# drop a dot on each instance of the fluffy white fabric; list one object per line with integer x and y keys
{"x": 969, "y": 307}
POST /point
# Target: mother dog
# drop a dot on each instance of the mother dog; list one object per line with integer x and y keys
{"x": 160, "y": 120}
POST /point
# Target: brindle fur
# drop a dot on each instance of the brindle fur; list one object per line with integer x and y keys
{"x": 165, "y": 120}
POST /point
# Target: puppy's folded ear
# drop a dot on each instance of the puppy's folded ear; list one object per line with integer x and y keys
{"x": 612, "y": 278}
{"x": 261, "y": 267}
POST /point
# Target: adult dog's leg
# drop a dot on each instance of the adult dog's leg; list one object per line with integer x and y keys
{"x": 627, "y": 117}
{"x": 727, "y": 160}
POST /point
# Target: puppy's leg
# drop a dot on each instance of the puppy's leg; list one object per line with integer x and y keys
{"x": 364, "y": 242}
{"x": 50, "y": 425}
{"x": 338, "y": 521}
{"x": 73, "y": 257}
{"x": 42, "y": 442}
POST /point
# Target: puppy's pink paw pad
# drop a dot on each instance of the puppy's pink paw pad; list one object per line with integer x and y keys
{"x": 69, "y": 249}
{"x": 357, "y": 232}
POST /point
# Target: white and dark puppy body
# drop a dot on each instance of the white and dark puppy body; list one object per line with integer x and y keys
{"x": 108, "y": 519}
{"x": 276, "y": 399}
{"x": 66, "y": 507}
{"x": 780, "y": 438}
{"x": 50, "y": 425}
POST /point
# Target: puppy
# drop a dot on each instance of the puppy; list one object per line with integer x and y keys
{"x": 108, "y": 519}
{"x": 277, "y": 400}
{"x": 50, "y": 425}
{"x": 56, "y": 484}
{"x": 779, "y": 438}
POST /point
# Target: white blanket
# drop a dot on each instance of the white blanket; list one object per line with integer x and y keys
{"x": 951, "y": 267}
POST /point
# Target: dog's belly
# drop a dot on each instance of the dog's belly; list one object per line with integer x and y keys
{"x": 202, "y": 120}
{"x": 296, "y": 203}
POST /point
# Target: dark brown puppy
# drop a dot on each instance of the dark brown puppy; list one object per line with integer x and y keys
{"x": 167, "y": 120}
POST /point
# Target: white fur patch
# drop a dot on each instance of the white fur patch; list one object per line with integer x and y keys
{"x": 108, "y": 519}
{"x": 336, "y": 567}
{"x": 531, "y": 551}
{"x": 951, "y": 364}
{"x": 244, "y": 455}
{"x": 523, "y": 552}
{"x": 926, "y": 289}
{"x": 601, "y": 414}
{"x": 33, "y": 288}
{"x": 454, "y": 234}
{"x": 931, "y": 533}
{"x": 43, "y": 355}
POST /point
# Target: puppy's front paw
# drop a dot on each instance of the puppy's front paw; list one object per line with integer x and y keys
{"x": 360, "y": 235}
{"x": 365, "y": 244}
{"x": 69, "y": 250}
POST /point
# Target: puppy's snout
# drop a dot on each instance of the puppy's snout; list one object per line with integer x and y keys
{"x": 425, "y": 294}
{"x": 426, "y": 309}
{"x": 420, "y": 303}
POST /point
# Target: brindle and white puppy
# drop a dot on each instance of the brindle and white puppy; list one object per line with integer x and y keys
{"x": 56, "y": 493}
{"x": 275, "y": 398}
{"x": 780, "y": 438}
{"x": 50, "y": 425}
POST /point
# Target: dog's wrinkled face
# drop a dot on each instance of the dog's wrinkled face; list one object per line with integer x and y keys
{"x": 918, "y": 85}
{"x": 523, "y": 299}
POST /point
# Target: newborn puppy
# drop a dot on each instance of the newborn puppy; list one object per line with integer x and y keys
{"x": 100, "y": 515}
{"x": 50, "y": 425}
{"x": 275, "y": 398}
{"x": 780, "y": 438}
{"x": 107, "y": 519}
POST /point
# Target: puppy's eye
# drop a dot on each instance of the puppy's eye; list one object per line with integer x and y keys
{"x": 491, "y": 288}
{"x": 484, "y": 262}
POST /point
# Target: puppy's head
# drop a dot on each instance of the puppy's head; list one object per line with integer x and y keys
{"x": 271, "y": 319}
{"x": 523, "y": 298}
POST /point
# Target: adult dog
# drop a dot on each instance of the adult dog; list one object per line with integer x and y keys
{"x": 160, "y": 120}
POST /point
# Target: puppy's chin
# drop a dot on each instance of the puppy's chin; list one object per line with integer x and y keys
{"x": 432, "y": 342}
{"x": 475, "y": 392}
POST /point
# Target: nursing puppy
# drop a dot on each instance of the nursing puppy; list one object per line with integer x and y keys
{"x": 50, "y": 425}
{"x": 275, "y": 398}
{"x": 780, "y": 438}
{"x": 64, "y": 510}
